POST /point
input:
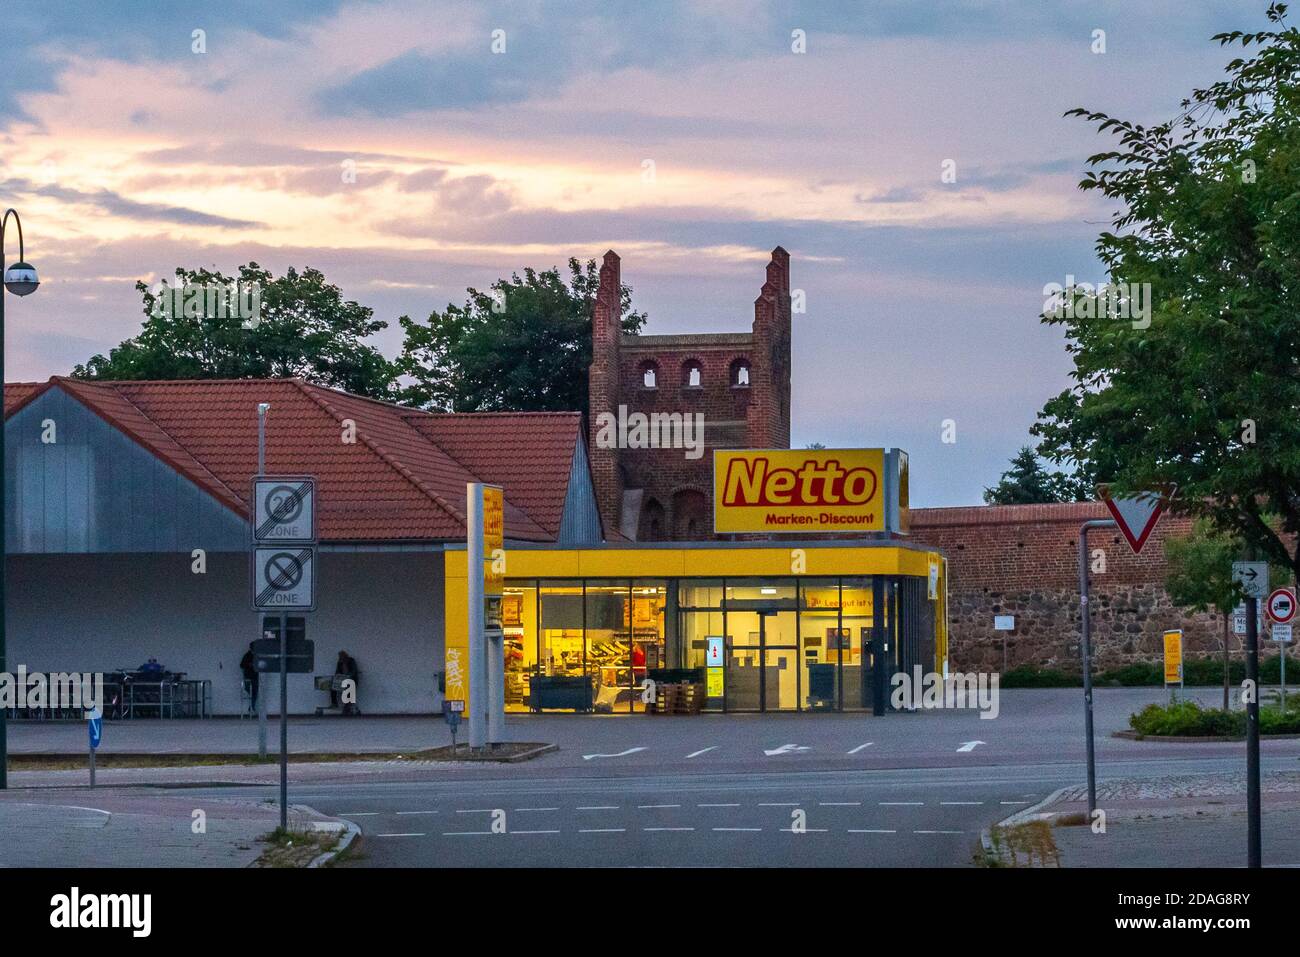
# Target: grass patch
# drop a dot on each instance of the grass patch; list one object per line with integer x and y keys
{"x": 289, "y": 848}
{"x": 1021, "y": 845}
{"x": 1189, "y": 719}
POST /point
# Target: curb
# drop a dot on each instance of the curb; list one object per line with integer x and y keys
{"x": 349, "y": 834}
{"x": 1202, "y": 739}
{"x": 1020, "y": 817}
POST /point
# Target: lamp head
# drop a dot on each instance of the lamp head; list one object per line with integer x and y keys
{"x": 21, "y": 279}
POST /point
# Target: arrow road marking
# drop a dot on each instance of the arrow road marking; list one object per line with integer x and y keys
{"x": 861, "y": 747}
{"x": 786, "y": 749}
{"x": 621, "y": 754}
{"x": 969, "y": 746}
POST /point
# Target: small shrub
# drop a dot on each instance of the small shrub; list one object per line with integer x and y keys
{"x": 1032, "y": 676}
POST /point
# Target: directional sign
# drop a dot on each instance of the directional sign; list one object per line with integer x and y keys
{"x": 1281, "y": 606}
{"x": 1136, "y": 515}
{"x": 284, "y": 579}
{"x": 95, "y": 725}
{"x": 1253, "y": 577}
{"x": 284, "y": 509}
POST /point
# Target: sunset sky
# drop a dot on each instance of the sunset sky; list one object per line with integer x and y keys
{"x": 129, "y": 154}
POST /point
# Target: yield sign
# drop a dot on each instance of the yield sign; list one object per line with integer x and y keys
{"x": 1136, "y": 516}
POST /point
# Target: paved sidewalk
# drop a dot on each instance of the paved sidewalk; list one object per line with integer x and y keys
{"x": 1178, "y": 821}
{"x": 134, "y": 828}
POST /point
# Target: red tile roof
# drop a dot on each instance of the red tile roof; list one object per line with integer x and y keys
{"x": 402, "y": 478}
{"x": 528, "y": 453}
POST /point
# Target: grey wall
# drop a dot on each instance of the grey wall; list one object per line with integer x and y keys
{"x": 94, "y": 489}
{"x": 107, "y": 612}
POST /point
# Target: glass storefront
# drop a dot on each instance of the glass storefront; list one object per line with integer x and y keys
{"x": 756, "y": 644}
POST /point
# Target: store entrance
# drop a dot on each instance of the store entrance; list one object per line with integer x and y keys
{"x": 763, "y": 661}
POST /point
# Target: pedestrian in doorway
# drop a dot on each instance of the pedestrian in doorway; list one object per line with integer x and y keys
{"x": 347, "y": 668}
{"x": 248, "y": 665}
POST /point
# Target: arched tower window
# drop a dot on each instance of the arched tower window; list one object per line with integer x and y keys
{"x": 649, "y": 375}
{"x": 692, "y": 375}
{"x": 740, "y": 374}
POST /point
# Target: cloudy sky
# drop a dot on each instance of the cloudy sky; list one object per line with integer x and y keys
{"x": 128, "y": 153}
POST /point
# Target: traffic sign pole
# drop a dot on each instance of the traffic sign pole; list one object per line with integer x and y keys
{"x": 284, "y": 721}
{"x": 478, "y": 696}
{"x": 262, "y": 409}
{"x": 1253, "y": 850}
{"x": 1085, "y": 649}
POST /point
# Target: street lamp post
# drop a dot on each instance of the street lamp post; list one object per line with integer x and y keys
{"x": 20, "y": 279}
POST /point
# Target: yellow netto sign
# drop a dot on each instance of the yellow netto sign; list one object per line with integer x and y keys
{"x": 809, "y": 490}
{"x": 494, "y": 528}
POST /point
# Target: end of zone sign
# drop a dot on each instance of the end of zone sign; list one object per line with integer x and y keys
{"x": 284, "y": 509}
{"x": 284, "y": 539}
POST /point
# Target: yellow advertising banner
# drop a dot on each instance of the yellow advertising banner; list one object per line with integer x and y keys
{"x": 1173, "y": 657}
{"x": 494, "y": 529}
{"x": 714, "y": 688}
{"x": 800, "y": 491}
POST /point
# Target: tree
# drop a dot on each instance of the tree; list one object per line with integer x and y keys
{"x": 207, "y": 325}
{"x": 1200, "y": 390}
{"x": 525, "y": 345}
{"x": 1027, "y": 482}
{"x": 1198, "y": 576}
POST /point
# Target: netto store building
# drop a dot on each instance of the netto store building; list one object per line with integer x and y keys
{"x": 795, "y": 625}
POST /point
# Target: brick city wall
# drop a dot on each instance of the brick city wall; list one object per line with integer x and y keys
{"x": 1022, "y": 560}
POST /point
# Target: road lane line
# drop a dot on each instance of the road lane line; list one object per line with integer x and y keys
{"x": 1013, "y": 802}
{"x": 667, "y": 828}
{"x": 959, "y": 803}
{"x": 806, "y": 830}
{"x": 861, "y": 747}
{"x": 839, "y": 804}
{"x": 358, "y": 813}
{"x": 598, "y": 807}
{"x": 938, "y": 832}
{"x": 651, "y": 807}
{"x": 477, "y": 810}
{"x": 602, "y": 830}
{"x": 696, "y": 754}
{"x": 417, "y": 812}
{"x": 464, "y": 833}
{"x": 746, "y": 829}
{"x": 534, "y": 832}
{"x": 408, "y": 834}
{"x": 790, "y": 804}
{"x": 902, "y": 804}
{"x": 870, "y": 830}
{"x": 537, "y": 809}
{"x": 620, "y": 754}
{"x": 717, "y": 805}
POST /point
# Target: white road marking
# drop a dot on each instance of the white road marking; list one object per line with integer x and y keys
{"x": 969, "y": 746}
{"x": 651, "y": 807}
{"x": 717, "y": 805}
{"x": 937, "y": 832}
{"x": 902, "y": 804}
{"x": 806, "y": 830}
{"x": 786, "y": 749}
{"x": 537, "y": 809}
{"x": 417, "y": 812}
{"x": 602, "y": 830}
{"x": 746, "y": 829}
{"x": 791, "y": 804}
{"x": 358, "y": 813}
{"x": 667, "y": 828}
{"x": 839, "y": 804}
{"x": 409, "y": 834}
{"x": 477, "y": 810}
{"x": 1013, "y": 802}
{"x": 866, "y": 830}
{"x": 621, "y": 754}
{"x": 534, "y": 832}
{"x": 861, "y": 747}
{"x": 598, "y": 807}
{"x": 464, "y": 833}
{"x": 959, "y": 803}
{"x": 696, "y": 754}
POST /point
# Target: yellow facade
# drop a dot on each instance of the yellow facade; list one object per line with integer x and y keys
{"x": 732, "y": 561}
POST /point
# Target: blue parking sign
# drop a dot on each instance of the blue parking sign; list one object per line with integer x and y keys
{"x": 95, "y": 725}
